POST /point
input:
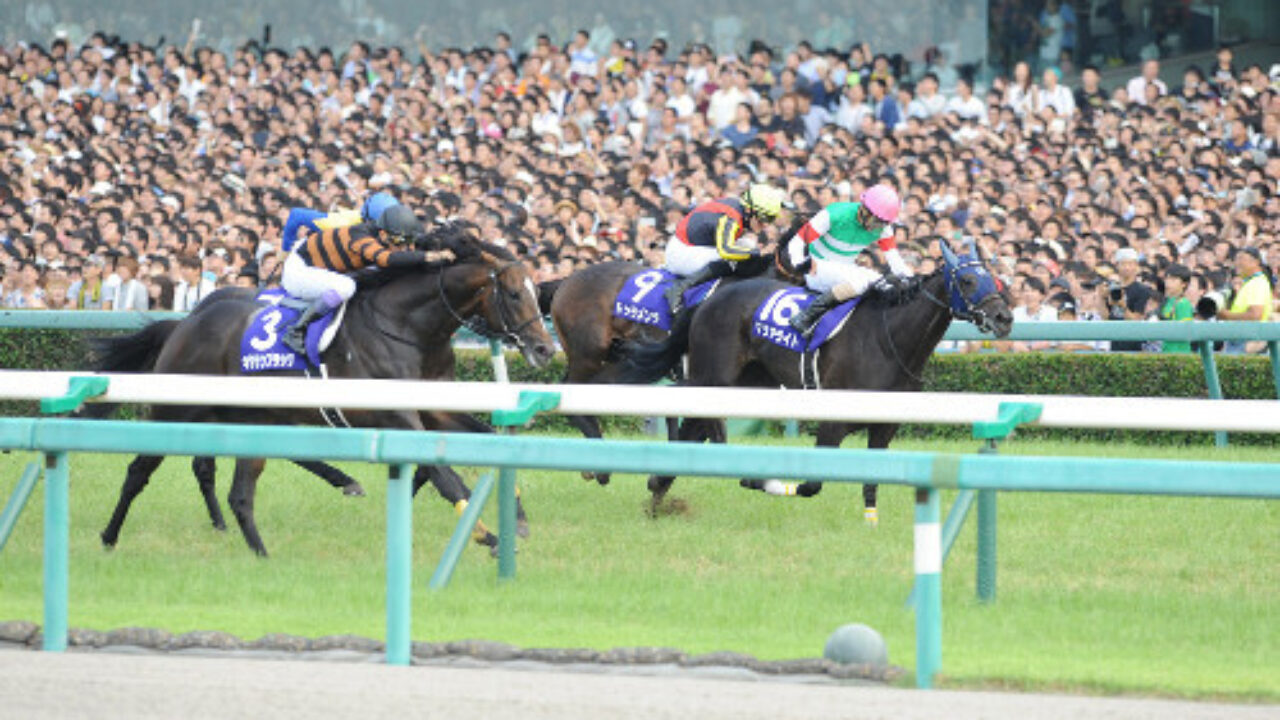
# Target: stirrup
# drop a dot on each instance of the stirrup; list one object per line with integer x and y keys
{"x": 675, "y": 297}
{"x": 803, "y": 326}
{"x": 296, "y": 340}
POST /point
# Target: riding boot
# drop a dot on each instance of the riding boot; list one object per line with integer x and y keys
{"x": 805, "y": 322}
{"x": 675, "y": 292}
{"x": 295, "y": 338}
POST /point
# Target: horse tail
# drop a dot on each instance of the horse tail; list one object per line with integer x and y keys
{"x": 648, "y": 362}
{"x": 546, "y": 293}
{"x": 127, "y": 353}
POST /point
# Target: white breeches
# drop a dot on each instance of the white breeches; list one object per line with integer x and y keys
{"x": 304, "y": 281}
{"x": 685, "y": 259}
{"x": 826, "y": 275}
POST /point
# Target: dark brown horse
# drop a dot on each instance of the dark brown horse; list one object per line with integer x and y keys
{"x": 883, "y": 346}
{"x": 581, "y": 308}
{"x": 400, "y": 327}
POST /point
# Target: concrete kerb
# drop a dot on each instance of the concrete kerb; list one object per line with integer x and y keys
{"x": 663, "y": 661}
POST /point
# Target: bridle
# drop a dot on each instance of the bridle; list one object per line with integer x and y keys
{"x": 960, "y": 307}
{"x": 478, "y": 324}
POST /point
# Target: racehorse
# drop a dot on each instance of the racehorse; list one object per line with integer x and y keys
{"x": 399, "y": 327}
{"x": 884, "y": 345}
{"x": 137, "y": 354}
{"x": 591, "y": 335}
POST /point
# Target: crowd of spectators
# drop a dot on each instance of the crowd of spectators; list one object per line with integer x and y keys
{"x": 143, "y": 177}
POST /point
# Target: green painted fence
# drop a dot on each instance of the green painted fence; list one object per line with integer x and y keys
{"x": 928, "y": 472}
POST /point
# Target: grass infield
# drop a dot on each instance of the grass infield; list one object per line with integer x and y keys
{"x": 1099, "y": 594}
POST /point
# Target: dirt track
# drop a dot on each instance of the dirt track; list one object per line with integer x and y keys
{"x": 35, "y": 685}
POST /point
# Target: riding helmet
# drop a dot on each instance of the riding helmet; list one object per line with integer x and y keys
{"x": 399, "y": 221}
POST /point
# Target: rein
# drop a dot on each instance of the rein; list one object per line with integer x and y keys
{"x": 968, "y": 313}
{"x": 479, "y": 325}
{"x": 888, "y": 336}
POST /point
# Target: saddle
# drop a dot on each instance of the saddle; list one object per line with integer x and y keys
{"x": 261, "y": 348}
{"x": 642, "y": 298}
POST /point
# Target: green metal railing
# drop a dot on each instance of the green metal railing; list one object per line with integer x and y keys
{"x": 928, "y": 472}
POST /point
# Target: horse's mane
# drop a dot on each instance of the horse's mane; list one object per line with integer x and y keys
{"x": 885, "y": 295}
{"x": 458, "y": 236}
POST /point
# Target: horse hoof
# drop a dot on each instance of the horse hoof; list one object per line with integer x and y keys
{"x": 355, "y": 489}
{"x": 522, "y": 528}
{"x": 603, "y": 478}
{"x": 220, "y": 526}
{"x": 261, "y": 552}
{"x": 107, "y": 543}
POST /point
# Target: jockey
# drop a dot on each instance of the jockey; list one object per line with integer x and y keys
{"x": 318, "y": 268}
{"x": 314, "y": 221}
{"x": 827, "y": 247}
{"x": 706, "y": 244}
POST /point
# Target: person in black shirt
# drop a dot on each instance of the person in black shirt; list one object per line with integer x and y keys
{"x": 1089, "y": 96}
{"x": 1194, "y": 89}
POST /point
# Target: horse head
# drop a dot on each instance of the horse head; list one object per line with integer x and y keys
{"x": 974, "y": 293}
{"x": 508, "y": 308}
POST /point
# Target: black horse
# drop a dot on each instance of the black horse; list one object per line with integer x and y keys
{"x": 883, "y": 346}
{"x": 398, "y": 328}
{"x": 140, "y": 356}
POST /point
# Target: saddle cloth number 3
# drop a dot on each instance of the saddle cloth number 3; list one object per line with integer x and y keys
{"x": 271, "y": 330}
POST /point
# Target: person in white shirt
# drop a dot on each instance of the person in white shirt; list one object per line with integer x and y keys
{"x": 582, "y": 59}
{"x": 854, "y": 108}
{"x": 680, "y": 100}
{"x": 724, "y": 102}
{"x": 1056, "y": 96}
{"x": 965, "y": 105}
{"x": 1137, "y": 87}
{"x": 132, "y": 293}
{"x": 927, "y": 102}
{"x": 1022, "y": 92}
{"x": 1033, "y": 309}
{"x": 192, "y": 287}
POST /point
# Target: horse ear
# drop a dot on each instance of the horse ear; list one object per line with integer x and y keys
{"x": 971, "y": 247}
{"x": 948, "y": 254}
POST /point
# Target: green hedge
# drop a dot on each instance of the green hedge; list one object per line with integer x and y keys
{"x": 1123, "y": 375}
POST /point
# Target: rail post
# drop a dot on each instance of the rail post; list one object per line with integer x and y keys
{"x": 1214, "y": 385}
{"x": 56, "y": 550}
{"x": 399, "y": 563}
{"x": 986, "y": 569}
{"x": 1274, "y": 350}
{"x": 528, "y": 404}
{"x": 17, "y": 501}
{"x": 928, "y": 567}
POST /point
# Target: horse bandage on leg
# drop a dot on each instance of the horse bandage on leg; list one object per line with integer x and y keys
{"x": 871, "y": 516}
{"x": 480, "y": 533}
{"x": 777, "y": 487}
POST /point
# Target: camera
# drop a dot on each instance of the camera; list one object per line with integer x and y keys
{"x": 1115, "y": 292}
{"x": 1212, "y": 303}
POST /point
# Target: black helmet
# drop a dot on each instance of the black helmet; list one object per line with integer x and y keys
{"x": 399, "y": 221}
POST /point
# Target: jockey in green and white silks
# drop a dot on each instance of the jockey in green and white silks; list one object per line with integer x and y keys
{"x": 826, "y": 249}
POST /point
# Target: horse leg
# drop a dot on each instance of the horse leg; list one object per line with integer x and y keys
{"x": 450, "y": 486}
{"x": 206, "y": 470}
{"x": 691, "y": 430}
{"x": 878, "y": 438}
{"x": 589, "y": 426}
{"x": 140, "y": 471}
{"x": 830, "y": 434}
{"x": 243, "y": 488}
{"x": 332, "y": 475}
